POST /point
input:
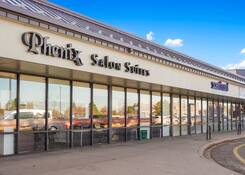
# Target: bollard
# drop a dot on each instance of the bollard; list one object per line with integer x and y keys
{"x": 207, "y": 130}
{"x": 239, "y": 129}
{"x": 210, "y": 132}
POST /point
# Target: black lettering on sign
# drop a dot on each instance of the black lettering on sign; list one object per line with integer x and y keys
{"x": 104, "y": 62}
{"x": 38, "y": 44}
{"x": 135, "y": 69}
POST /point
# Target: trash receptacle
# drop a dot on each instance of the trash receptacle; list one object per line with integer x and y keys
{"x": 143, "y": 134}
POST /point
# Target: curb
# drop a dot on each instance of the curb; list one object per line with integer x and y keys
{"x": 204, "y": 152}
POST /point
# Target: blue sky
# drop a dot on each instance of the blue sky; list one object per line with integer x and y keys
{"x": 210, "y": 30}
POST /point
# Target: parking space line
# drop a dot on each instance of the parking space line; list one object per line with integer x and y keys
{"x": 236, "y": 152}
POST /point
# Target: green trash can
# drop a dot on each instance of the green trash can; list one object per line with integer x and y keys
{"x": 143, "y": 134}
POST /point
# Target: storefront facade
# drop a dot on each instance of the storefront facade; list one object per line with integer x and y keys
{"x": 68, "y": 81}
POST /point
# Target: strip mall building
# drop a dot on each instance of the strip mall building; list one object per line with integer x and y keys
{"x": 69, "y": 81}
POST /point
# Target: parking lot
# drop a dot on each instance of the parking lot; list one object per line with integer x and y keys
{"x": 230, "y": 155}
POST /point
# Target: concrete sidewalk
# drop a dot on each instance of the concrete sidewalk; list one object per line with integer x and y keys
{"x": 169, "y": 156}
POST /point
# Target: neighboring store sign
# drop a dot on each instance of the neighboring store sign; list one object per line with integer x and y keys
{"x": 38, "y": 44}
{"x": 220, "y": 86}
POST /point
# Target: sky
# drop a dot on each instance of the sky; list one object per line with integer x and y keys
{"x": 209, "y": 30}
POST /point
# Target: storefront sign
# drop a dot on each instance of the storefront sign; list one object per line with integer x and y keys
{"x": 39, "y": 45}
{"x": 220, "y": 86}
{"x": 127, "y": 66}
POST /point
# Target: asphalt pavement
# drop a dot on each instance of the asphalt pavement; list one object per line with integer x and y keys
{"x": 230, "y": 155}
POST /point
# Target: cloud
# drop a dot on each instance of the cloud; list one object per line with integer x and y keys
{"x": 174, "y": 42}
{"x": 149, "y": 36}
{"x": 243, "y": 51}
{"x": 240, "y": 65}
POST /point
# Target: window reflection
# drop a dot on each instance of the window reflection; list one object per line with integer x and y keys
{"x": 32, "y": 113}
{"x": 166, "y": 114}
{"x": 176, "y": 115}
{"x": 225, "y": 116}
{"x": 216, "y": 113}
{"x": 192, "y": 116}
{"x": 242, "y": 115}
{"x": 229, "y": 116}
{"x": 237, "y": 114}
{"x": 118, "y": 114}
{"x": 90, "y": 121}
{"x": 204, "y": 115}
{"x": 210, "y": 113}
{"x": 32, "y": 107}
{"x": 81, "y": 114}
{"x": 7, "y": 112}
{"x": 59, "y": 109}
{"x": 234, "y": 116}
{"x": 184, "y": 114}
{"x": 100, "y": 113}
{"x": 145, "y": 114}
{"x": 221, "y": 117}
{"x": 198, "y": 116}
{"x": 156, "y": 114}
{"x": 132, "y": 114}
{"x": 7, "y": 102}
{"x": 81, "y": 106}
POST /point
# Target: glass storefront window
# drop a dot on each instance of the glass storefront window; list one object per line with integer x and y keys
{"x": 225, "y": 119}
{"x": 145, "y": 115}
{"x": 234, "y": 117}
{"x": 32, "y": 114}
{"x": 118, "y": 114}
{"x": 166, "y": 120}
{"x": 210, "y": 113}
{"x": 229, "y": 116}
{"x": 242, "y": 115}
{"x": 7, "y": 112}
{"x": 198, "y": 116}
{"x": 221, "y": 116}
{"x": 237, "y": 111}
{"x": 132, "y": 114}
{"x": 192, "y": 117}
{"x": 216, "y": 115}
{"x": 7, "y": 102}
{"x": 100, "y": 114}
{"x": 184, "y": 115}
{"x": 204, "y": 115}
{"x": 156, "y": 114}
{"x": 90, "y": 121}
{"x": 176, "y": 115}
{"x": 81, "y": 119}
{"x": 59, "y": 111}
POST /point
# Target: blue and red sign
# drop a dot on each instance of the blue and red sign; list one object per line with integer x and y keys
{"x": 220, "y": 86}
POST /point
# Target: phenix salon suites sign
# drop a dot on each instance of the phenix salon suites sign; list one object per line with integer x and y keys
{"x": 38, "y": 44}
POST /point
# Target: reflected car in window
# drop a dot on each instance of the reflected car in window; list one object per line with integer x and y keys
{"x": 166, "y": 120}
{"x": 118, "y": 121}
{"x": 31, "y": 120}
{"x": 156, "y": 120}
